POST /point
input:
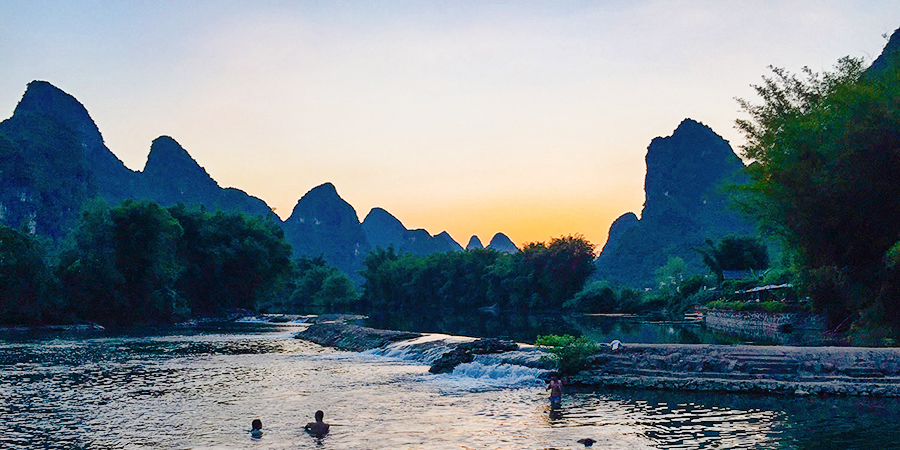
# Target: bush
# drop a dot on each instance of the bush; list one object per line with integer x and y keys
{"x": 571, "y": 354}
{"x": 769, "y": 307}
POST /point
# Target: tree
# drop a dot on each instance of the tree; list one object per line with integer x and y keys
{"x": 316, "y": 284}
{"x": 230, "y": 260}
{"x": 734, "y": 253}
{"x": 123, "y": 266}
{"x": 27, "y": 285}
{"x": 571, "y": 354}
{"x": 595, "y": 297}
{"x": 554, "y": 272}
{"x": 827, "y": 156}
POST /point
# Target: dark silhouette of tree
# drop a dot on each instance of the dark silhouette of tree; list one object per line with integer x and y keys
{"x": 826, "y": 148}
{"x": 734, "y": 253}
{"x": 27, "y": 285}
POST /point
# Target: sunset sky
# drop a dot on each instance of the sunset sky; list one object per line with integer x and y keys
{"x": 527, "y": 118}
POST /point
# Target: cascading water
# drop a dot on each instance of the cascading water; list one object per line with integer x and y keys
{"x": 515, "y": 368}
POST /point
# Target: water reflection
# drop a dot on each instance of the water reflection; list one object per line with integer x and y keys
{"x": 526, "y": 327}
{"x": 686, "y": 420}
{"x": 201, "y": 389}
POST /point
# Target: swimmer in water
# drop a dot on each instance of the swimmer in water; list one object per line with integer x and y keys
{"x": 317, "y": 428}
{"x": 256, "y": 431}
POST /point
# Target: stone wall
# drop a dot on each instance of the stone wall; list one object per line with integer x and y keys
{"x": 778, "y": 370}
{"x": 776, "y": 328}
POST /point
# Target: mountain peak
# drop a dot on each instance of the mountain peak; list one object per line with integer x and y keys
{"x": 889, "y": 55}
{"x": 448, "y": 241}
{"x": 383, "y": 229}
{"x": 474, "y": 243}
{"x": 46, "y": 99}
{"x": 322, "y": 223}
{"x": 502, "y": 243}
{"x": 324, "y": 189}
{"x": 323, "y": 204}
{"x": 168, "y": 160}
{"x": 684, "y": 205}
{"x": 686, "y": 166}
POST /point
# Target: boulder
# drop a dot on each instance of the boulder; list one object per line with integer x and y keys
{"x": 466, "y": 352}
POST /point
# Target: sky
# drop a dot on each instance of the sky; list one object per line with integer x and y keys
{"x": 471, "y": 117}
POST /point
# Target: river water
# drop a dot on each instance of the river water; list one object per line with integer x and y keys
{"x": 201, "y": 388}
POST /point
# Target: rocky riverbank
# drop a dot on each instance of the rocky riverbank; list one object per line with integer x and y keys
{"x": 773, "y": 370}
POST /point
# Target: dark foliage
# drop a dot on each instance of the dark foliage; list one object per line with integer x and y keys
{"x": 827, "y": 152}
{"x": 734, "y": 253}
{"x": 541, "y": 276}
{"x": 27, "y": 285}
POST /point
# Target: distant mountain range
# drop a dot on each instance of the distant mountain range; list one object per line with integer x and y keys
{"x": 53, "y": 158}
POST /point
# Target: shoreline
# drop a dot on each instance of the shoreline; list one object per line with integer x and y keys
{"x": 770, "y": 370}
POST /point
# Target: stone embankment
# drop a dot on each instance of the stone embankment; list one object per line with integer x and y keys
{"x": 352, "y": 338}
{"x": 774, "y": 370}
{"x": 779, "y": 328}
{"x": 779, "y": 370}
{"x": 356, "y": 338}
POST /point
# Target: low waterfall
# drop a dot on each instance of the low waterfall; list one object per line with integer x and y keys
{"x": 523, "y": 367}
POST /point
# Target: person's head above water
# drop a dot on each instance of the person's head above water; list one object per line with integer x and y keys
{"x": 256, "y": 424}
{"x": 318, "y": 428}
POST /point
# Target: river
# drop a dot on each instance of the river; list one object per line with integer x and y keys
{"x": 200, "y": 389}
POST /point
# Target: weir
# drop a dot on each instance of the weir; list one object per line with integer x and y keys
{"x": 779, "y": 370}
{"x": 524, "y": 366}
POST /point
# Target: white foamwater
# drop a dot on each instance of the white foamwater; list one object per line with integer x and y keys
{"x": 491, "y": 370}
{"x": 425, "y": 349}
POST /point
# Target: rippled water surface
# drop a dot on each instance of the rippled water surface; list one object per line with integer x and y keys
{"x": 201, "y": 389}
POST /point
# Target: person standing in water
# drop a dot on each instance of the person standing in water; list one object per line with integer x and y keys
{"x": 318, "y": 428}
{"x": 555, "y": 387}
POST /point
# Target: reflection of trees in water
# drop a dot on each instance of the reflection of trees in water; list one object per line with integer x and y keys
{"x": 473, "y": 322}
{"x": 805, "y": 423}
{"x": 688, "y": 336}
{"x": 526, "y": 327}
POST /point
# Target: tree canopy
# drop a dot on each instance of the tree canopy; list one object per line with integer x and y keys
{"x": 140, "y": 263}
{"x": 734, "y": 253}
{"x": 826, "y": 152}
{"x": 541, "y": 276}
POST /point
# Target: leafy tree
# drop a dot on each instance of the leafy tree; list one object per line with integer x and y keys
{"x": 316, "y": 284}
{"x": 231, "y": 260}
{"x": 671, "y": 275}
{"x": 734, "y": 253}
{"x": 554, "y": 272}
{"x": 28, "y": 294}
{"x": 596, "y": 297}
{"x": 826, "y": 148}
{"x": 123, "y": 267}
